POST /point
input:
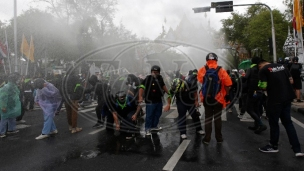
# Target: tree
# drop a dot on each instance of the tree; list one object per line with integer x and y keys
{"x": 259, "y": 30}
{"x": 253, "y": 28}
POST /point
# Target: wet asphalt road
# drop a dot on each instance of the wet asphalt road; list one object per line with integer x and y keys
{"x": 98, "y": 149}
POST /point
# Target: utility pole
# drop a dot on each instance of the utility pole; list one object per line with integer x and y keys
{"x": 15, "y": 35}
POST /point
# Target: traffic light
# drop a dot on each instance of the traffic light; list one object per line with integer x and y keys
{"x": 270, "y": 47}
{"x": 227, "y": 6}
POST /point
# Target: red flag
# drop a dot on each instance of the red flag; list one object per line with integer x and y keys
{"x": 3, "y": 50}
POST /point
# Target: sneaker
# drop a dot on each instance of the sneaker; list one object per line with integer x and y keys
{"x": 201, "y": 132}
{"x": 269, "y": 149}
{"x": 230, "y": 110}
{"x": 260, "y": 129}
{"x": 148, "y": 133}
{"x": 98, "y": 125}
{"x": 157, "y": 129}
{"x": 54, "y": 132}
{"x": 240, "y": 116}
{"x": 184, "y": 136}
{"x": 42, "y": 136}
{"x": 70, "y": 128}
{"x": 13, "y": 132}
{"x": 20, "y": 122}
{"x": 75, "y": 130}
{"x": 205, "y": 142}
{"x": 2, "y": 136}
{"x": 298, "y": 100}
{"x": 299, "y": 154}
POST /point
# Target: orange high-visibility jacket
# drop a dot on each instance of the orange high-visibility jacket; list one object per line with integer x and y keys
{"x": 223, "y": 76}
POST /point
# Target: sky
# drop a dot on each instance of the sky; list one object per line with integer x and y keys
{"x": 145, "y": 18}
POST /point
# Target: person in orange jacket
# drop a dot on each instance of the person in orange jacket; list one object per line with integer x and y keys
{"x": 214, "y": 105}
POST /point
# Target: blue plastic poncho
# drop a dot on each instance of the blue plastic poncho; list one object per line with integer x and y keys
{"x": 9, "y": 99}
{"x": 48, "y": 98}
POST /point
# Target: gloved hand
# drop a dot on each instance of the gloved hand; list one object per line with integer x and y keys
{"x": 227, "y": 98}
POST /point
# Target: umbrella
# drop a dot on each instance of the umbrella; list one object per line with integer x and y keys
{"x": 245, "y": 64}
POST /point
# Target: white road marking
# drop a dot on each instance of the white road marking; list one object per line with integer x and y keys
{"x": 21, "y": 126}
{"x": 176, "y": 156}
{"x": 96, "y": 131}
{"x": 86, "y": 110}
{"x": 297, "y": 122}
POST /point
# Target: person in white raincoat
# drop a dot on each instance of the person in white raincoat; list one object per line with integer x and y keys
{"x": 48, "y": 98}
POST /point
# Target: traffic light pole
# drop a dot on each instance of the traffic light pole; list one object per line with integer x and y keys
{"x": 272, "y": 26}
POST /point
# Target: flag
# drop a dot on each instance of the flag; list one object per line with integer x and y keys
{"x": 31, "y": 50}
{"x": 297, "y": 15}
{"x": 24, "y": 47}
{"x": 3, "y": 50}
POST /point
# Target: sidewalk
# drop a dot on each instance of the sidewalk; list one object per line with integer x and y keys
{"x": 298, "y": 107}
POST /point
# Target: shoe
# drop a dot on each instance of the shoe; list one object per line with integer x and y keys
{"x": 269, "y": 149}
{"x": 205, "y": 142}
{"x": 20, "y": 122}
{"x": 184, "y": 136}
{"x": 220, "y": 142}
{"x": 2, "y": 136}
{"x": 240, "y": 115}
{"x": 54, "y": 132}
{"x": 57, "y": 113}
{"x": 128, "y": 138}
{"x": 157, "y": 129}
{"x": 230, "y": 110}
{"x": 42, "y": 136}
{"x": 70, "y": 128}
{"x": 13, "y": 132}
{"x": 299, "y": 154}
{"x": 98, "y": 125}
{"x": 253, "y": 127}
{"x": 75, "y": 130}
{"x": 298, "y": 100}
{"x": 148, "y": 133}
{"x": 201, "y": 132}
{"x": 260, "y": 129}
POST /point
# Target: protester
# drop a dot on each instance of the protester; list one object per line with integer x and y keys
{"x": 153, "y": 86}
{"x": 214, "y": 98}
{"x": 254, "y": 96}
{"x": 99, "y": 87}
{"x": 276, "y": 80}
{"x": 48, "y": 98}
{"x": 295, "y": 70}
{"x": 125, "y": 112}
{"x": 186, "y": 100}
{"x": 10, "y": 105}
{"x": 75, "y": 91}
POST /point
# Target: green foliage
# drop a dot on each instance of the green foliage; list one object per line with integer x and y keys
{"x": 253, "y": 29}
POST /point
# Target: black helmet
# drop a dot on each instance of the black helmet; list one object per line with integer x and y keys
{"x": 155, "y": 68}
{"x": 121, "y": 96}
{"x": 14, "y": 77}
{"x": 211, "y": 56}
{"x": 39, "y": 83}
{"x": 295, "y": 59}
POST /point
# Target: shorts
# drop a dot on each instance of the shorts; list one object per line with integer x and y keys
{"x": 297, "y": 84}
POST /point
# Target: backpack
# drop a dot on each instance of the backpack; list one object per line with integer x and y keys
{"x": 211, "y": 83}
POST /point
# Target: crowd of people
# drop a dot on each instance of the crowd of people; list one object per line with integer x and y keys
{"x": 120, "y": 99}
